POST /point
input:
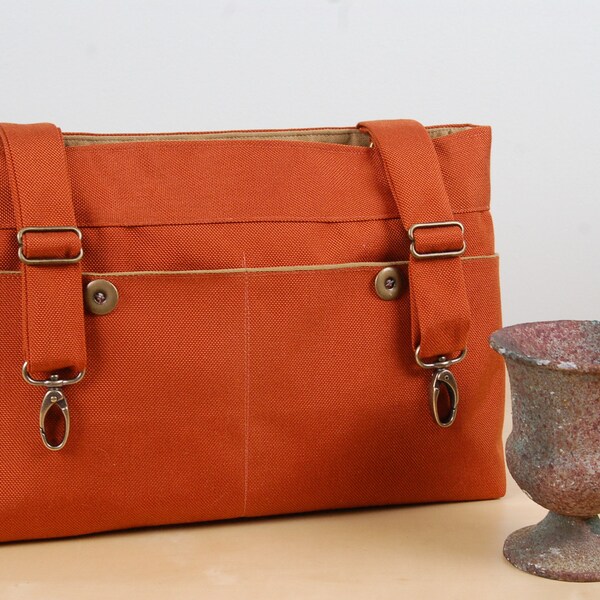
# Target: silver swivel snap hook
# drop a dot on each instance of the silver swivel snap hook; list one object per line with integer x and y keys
{"x": 54, "y": 396}
{"x": 442, "y": 378}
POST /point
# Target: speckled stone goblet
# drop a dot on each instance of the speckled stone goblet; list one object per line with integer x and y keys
{"x": 553, "y": 452}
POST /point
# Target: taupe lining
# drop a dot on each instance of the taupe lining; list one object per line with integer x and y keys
{"x": 347, "y": 137}
{"x": 352, "y": 265}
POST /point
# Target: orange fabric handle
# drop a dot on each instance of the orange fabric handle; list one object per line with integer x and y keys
{"x": 440, "y": 311}
{"x": 52, "y": 299}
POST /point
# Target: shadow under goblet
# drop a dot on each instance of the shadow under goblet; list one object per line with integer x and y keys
{"x": 553, "y": 452}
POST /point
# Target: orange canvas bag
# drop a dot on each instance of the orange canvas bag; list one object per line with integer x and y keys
{"x": 201, "y": 326}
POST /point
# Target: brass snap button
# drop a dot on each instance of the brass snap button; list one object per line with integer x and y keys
{"x": 101, "y": 297}
{"x": 388, "y": 283}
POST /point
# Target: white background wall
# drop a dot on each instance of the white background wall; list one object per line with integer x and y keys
{"x": 529, "y": 68}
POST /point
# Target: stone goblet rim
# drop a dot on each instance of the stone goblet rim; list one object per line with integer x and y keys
{"x": 562, "y": 345}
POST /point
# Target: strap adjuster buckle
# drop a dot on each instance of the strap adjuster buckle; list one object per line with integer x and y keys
{"x": 443, "y": 254}
{"x": 48, "y": 260}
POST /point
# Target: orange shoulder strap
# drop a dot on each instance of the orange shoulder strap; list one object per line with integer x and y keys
{"x": 49, "y": 249}
{"x": 439, "y": 306}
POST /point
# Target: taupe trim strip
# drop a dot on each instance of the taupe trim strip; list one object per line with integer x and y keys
{"x": 344, "y": 136}
{"x": 352, "y": 265}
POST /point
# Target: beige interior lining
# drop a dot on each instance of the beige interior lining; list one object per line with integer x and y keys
{"x": 348, "y": 137}
{"x": 279, "y": 269}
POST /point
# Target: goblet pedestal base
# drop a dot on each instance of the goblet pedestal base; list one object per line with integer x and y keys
{"x": 558, "y": 547}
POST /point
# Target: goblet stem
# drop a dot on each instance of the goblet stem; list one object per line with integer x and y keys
{"x": 558, "y": 547}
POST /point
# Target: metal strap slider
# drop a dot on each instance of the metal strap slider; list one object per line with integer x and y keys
{"x": 48, "y": 260}
{"x": 442, "y": 254}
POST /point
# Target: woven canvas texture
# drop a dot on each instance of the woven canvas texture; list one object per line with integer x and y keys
{"x": 215, "y": 394}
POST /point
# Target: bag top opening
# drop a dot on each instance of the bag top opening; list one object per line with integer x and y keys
{"x": 344, "y": 136}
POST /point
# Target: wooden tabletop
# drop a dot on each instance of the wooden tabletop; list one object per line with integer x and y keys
{"x": 451, "y": 551}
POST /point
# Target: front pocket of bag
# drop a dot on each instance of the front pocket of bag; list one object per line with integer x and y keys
{"x": 212, "y": 395}
{"x": 338, "y": 413}
{"x": 157, "y": 424}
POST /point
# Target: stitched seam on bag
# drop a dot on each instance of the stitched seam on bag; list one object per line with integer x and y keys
{"x": 246, "y": 382}
{"x": 326, "y": 147}
{"x": 322, "y": 147}
{"x": 263, "y": 273}
{"x": 114, "y": 144}
{"x": 240, "y": 136}
{"x": 236, "y": 136}
{"x": 300, "y": 131}
{"x": 359, "y": 266}
{"x": 277, "y": 269}
{"x": 360, "y": 219}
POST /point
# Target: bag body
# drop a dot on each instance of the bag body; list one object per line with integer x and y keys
{"x": 250, "y": 365}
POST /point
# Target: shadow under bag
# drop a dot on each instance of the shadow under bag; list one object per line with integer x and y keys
{"x": 201, "y": 326}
